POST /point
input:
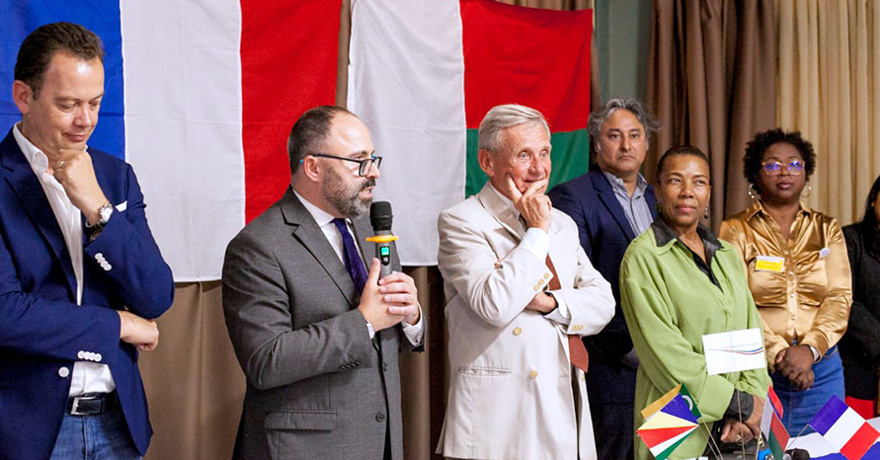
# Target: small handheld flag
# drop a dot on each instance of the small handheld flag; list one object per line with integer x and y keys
{"x": 668, "y": 422}
{"x": 771, "y": 425}
{"x": 844, "y": 429}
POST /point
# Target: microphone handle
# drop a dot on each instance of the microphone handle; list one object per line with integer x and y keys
{"x": 383, "y": 253}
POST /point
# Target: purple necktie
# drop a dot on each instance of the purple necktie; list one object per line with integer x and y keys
{"x": 353, "y": 262}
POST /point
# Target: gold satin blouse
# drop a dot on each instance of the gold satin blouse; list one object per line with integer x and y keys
{"x": 802, "y": 287}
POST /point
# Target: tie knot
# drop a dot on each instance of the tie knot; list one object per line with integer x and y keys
{"x": 340, "y": 224}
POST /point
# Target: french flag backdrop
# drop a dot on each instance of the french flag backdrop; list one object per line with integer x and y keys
{"x": 200, "y": 97}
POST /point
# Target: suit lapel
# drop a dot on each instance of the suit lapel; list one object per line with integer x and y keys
{"x": 652, "y": 200}
{"x": 306, "y": 231}
{"x": 32, "y": 198}
{"x": 501, "y": 212}
{"x": 609, "y": 200}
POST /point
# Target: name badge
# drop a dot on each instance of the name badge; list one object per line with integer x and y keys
{"x": 770, "y": 264}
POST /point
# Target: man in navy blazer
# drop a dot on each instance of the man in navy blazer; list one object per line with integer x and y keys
{"x": 612, "y": 204}
{"x": 80, "y": 273}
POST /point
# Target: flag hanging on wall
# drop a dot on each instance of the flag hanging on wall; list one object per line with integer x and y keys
{"x": 200, "y": 98}
{"x": 423, "y": 74}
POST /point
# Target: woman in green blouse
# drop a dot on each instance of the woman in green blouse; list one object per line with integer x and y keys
{"x": 678, "y": 282}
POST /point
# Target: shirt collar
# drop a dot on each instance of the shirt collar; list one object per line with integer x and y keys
{"x": 35, "y": 157}
{"x": 663, "y": 233}
{"x": 757, "y": 207}
{"x": 507, "y": 201}
{"x": 321, "y": 217}
{"x": 618, "y": 186}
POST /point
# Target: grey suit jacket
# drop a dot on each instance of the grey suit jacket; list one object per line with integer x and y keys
{"x": 317, "y": 386}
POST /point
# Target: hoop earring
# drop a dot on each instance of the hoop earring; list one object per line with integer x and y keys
{"x": 809, "y": 191}
{"x": 753, "y": 194}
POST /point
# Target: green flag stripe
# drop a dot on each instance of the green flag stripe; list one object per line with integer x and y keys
{"x": 570, "y": 156}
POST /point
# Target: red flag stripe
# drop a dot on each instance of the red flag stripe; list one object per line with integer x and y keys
{"x": 860, "y": 442}
{"x": 779, "y": 431}
{"x": 655, "y": 436}
{"x": 288, "y": 65}
{"x": 774, "y": 400}
{"x": 541, "y": 43}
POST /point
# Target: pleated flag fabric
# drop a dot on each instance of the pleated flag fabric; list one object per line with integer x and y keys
{"x": 200, "y": 98}
{"x": 422, "y": 75}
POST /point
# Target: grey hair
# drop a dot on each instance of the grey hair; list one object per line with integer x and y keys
{"x": 600, "y": 115}
{"x": 501, "y": 117}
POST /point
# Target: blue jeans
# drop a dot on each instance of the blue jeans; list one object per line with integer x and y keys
{"x": 95, "y": 437}
{"x": 800, "y": 406}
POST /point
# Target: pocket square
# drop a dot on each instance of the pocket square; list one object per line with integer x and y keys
{"x": 122, "y": 206}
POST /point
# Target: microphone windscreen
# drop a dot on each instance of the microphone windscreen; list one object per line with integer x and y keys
{"x": 381, "y": 216}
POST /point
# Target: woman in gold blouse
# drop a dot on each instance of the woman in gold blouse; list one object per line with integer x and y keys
{"x": 798, "y": 273}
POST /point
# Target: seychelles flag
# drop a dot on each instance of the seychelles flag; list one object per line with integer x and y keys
{"x": 668, "y": 422}
{"x": 200, "y": 97}
{"x": 422, "y": 75}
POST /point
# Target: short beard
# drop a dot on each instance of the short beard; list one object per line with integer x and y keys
{"x": 343, "y": 198}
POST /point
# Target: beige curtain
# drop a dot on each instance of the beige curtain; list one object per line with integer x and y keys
{"x": 193, "y": 382}
{"x": 829, "y": 89}
{"x": 711, "y": 83}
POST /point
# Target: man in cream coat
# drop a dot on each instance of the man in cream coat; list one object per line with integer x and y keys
{"x": 518, "y": 285}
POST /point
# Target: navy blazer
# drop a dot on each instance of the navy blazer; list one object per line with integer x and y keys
{"x": 42, "y": 329}
{"x": 605, "y": 234}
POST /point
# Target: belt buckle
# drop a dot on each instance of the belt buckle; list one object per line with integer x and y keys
{"x": 74, "y": 409}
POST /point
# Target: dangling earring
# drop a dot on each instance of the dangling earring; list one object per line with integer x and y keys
{"x": 706, "y": 213}
{"x": 753, "y": 194}
{"x": 809, "y": 191}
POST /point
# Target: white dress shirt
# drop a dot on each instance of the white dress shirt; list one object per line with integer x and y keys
{"x": 413, "y": 332}
{"x": 87, "y": 377}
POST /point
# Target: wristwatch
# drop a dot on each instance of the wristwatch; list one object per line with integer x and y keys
{"x": 104, "y": 213}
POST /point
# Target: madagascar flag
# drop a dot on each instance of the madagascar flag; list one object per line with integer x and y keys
{"x": 537, "y": 58}
{"x": 422, "y": 75}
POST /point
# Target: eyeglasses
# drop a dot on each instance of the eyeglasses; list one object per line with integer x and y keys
{"x": 363, "y": 165}
{"x": 774, "y": 168}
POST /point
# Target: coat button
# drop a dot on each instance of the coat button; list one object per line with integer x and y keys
{"x": 517, "y": 331}
{"x": 63, "y": 372}
{"x": 380, "y": 417}
{"x": 533, "y": 374}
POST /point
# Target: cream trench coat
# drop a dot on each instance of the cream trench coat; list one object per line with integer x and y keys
{"x": 511, "y": 382}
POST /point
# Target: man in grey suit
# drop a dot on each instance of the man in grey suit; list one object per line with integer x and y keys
{"x": 316, "y": 335}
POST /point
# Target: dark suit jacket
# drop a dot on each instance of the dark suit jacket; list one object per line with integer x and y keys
{"x": 605, "y": 234}
{"x": 860, "y": 345}
{"x": 317, "y": 386}
{"x": 42, "y": 329}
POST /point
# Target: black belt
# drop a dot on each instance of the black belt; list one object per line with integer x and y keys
{"x": 92, "y": 403}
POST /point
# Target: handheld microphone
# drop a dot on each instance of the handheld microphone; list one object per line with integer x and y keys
{"x": 380, "y": 220}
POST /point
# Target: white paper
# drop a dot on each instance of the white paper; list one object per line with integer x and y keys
{"x": 734, "y": 351}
